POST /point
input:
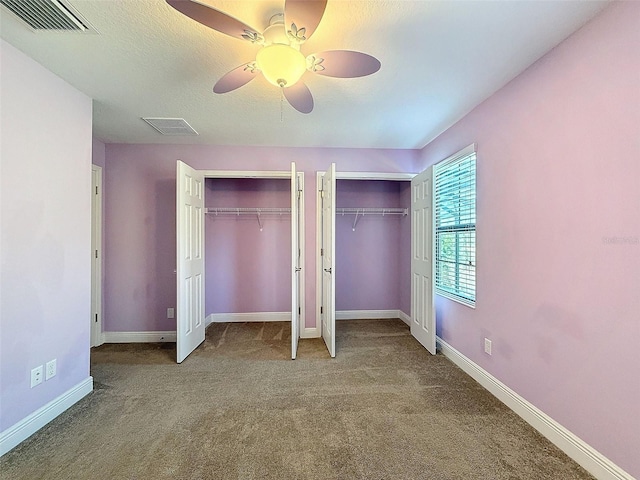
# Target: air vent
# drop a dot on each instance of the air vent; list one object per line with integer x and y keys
{"x": 171, "y": 126}
{"x": 48, "y": 15}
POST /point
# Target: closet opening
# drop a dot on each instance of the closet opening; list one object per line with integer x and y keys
{"x": 373, "y": 250}
{"x": 239, "y": 251}
{"x": 364, "y": 260}
{"x": 247, "y": 250}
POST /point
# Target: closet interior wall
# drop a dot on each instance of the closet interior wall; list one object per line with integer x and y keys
{"x": 373, "y": 260}
{"x": 247, "y": 270}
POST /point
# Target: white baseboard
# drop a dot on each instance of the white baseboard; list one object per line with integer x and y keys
{"x": 248, "y": 317}
{"x": 404, "y": 317}
{"x": 29, "y": 425}
{"x": 139, "y": 337}
{"x": 366, "y": 314}
{"x": 590, "y": 459}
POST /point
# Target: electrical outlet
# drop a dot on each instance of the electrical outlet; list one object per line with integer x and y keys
{"x": 171, "y": 313}
{"x": 487, "y": 346}
{"x": 50, "y": 369}
{"x": 36, "y": 376}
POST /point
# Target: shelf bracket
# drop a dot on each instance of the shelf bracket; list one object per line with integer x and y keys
{"x": 355, "y": 221}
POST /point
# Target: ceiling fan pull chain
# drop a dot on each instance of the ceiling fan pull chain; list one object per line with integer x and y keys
{"x": 281, "y": 104}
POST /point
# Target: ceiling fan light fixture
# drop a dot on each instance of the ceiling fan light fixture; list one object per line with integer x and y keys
{"x": 282, "y": 65}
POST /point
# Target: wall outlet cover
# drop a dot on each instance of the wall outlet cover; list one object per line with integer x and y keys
{"x": 36, "y": 376}
{"x": 50, "y": 369}
{"x": 487, "y": 346}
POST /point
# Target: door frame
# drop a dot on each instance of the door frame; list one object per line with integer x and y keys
{"x": 95, "y": 320}
{"x": 276, "y": 175}
{"x": 399, "y": 177}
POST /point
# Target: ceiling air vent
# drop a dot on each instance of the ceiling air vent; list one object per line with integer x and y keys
{"x": 171, "y": 126}
{"x": 52, "y": 15}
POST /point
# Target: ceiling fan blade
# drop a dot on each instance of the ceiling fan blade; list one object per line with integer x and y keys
{"x": 215, "y": 19}
{"x": 299, "y": 96}
{"x": 305, "y": 15}
{"x": 236, "y": 78}
{"x": 343, "y": 64}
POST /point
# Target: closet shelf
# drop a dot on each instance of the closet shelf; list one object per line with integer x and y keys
{"x": 246, "y": 211}
{"x": 358, "y": 212}
{"x": 257, "y": 211}
{"x": 372, "y": 211}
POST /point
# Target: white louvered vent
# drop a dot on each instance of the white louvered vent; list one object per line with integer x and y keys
{"x": 171, "y": 126}
{"x": 52, "y": 15}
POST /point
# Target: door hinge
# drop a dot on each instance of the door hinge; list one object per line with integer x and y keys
{"x": 96, "y": 253}
{"x": 322, "y": 252}
{"x": 96, "y": 189}
{"x": 321, "y": 193}
{"x": 321, "y": 309}
{"x": 299, "y": 310}
{"x": 96, "y": 318}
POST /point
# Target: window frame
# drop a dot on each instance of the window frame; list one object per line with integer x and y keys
{"x": 458, "y": 229}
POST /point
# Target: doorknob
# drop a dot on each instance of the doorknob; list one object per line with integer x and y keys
{"x": 298, "y": 269}
{"x": 328, "y": 270}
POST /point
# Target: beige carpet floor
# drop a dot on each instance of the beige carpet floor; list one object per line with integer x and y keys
{"x": 239, "y": 408}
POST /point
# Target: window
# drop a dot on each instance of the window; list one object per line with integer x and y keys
{"x": 455, "y": 227}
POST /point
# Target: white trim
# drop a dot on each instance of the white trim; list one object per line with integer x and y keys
{"x": 301, "y": 242}
{"x": 318, "y": 322}
{"x": 246, "y": 174}
{"x": 468, "y": 150}
{"x": 366, "y": 314}
{"x": 29, "y": 425}
{"x": 247, "y": 317}
{"x": 401, "y": 177}
{"x": 95, "y": 318}
{"x": 404, "y": 317}
{"x": 585, "y": 455}
{"x": 139, "y": 337}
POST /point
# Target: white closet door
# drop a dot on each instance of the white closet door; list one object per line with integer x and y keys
{"x": 190, "y": 260}
{"x": 295, "y": 264}
{"x": 328, "y": 259}
{"x": 423, "y": 318}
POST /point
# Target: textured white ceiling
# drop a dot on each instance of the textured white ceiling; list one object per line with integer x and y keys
{"x": 439, "y": 60}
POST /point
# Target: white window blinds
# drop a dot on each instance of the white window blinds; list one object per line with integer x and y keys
{"x": 455, "y": 227}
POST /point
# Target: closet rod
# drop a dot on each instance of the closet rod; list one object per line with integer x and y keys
{"x": 370, "y": 211}
{"x": 246, "y": 211}
{"x": 257, "y": 211}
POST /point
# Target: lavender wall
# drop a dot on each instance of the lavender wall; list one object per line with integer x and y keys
{"x": 140, "y": 217}
{"x": 369, "y": 260}
{"x": 558, "y": 233}
{"x": 46, "y": 234}
{"x": 248, "y": 270}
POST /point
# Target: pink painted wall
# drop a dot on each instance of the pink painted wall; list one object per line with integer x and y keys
{"x": 558, "y": 234}
{"x": 369, "y": 260}
{"x": 248, "y": 270}
{"x": 140, "y": 217}
{"x": 45, "y": 234}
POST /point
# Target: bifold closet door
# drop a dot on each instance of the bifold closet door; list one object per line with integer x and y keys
{"x": 295, "y": 263}
{"x": 423, "y": 318}
{"x": 328, "y": 315}
{"x": 190, "y": 260}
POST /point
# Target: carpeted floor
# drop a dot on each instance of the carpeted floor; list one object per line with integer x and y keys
{"x": 239, "y": 408}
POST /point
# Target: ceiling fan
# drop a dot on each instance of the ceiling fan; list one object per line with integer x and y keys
{"x": 279, "y": 58}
